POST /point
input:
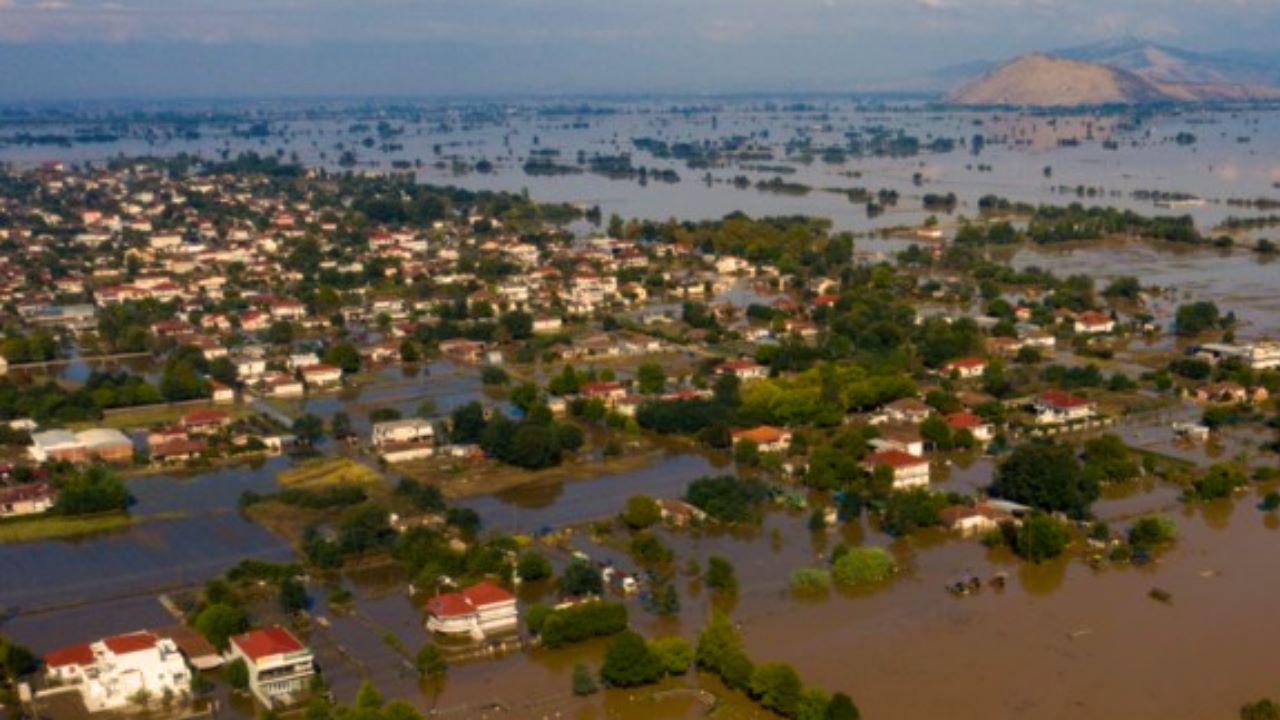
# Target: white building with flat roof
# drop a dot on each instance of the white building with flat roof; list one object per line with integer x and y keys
{"x": 116, "y": 672}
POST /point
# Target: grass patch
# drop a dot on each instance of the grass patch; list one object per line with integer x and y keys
{"x": 50, "y": 527}
{"x": 321, "y": 472}
{"x": 149, "y": 416}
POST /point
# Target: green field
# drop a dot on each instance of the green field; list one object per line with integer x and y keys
{"x": 49, "y": 527}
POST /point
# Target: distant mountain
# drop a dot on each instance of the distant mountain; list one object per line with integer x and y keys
{"x": 1122, "y": 72}
{"x": 1041, "y": 80}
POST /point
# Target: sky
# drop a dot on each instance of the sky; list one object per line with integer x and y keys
{"x": 80, "y": 49}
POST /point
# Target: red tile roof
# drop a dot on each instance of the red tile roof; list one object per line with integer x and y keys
{"x": 964, "y": 421}
{"x": 894, "y": 458}
{"x": 1061, "y": 400}
{"x": 265, "y": 642}
{"x": 468, "y": 601}
{"x": 486, "y": 593}
{"x": 80, "y": 654}
{"x": 131, "y": 643}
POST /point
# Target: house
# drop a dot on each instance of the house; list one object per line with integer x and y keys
{"x": 322, "y": 375}
{"x": 979, "y": 519}
{"x": 56, "y": 445}
{"x": 281, "y": 668}
{"x": 221, "y": 393}
{"x": 179, "y": 449}
{"x": 1055, "y": 407}
{"x": 111, "y": 672}
{"x": 544, "y": 324}
{"x": 965, "y": 368}
{"x": 909, "y": 471}
{"x": 461, "y": 350}
{"x": 906, "y": 410}
{"x": 476, "y": 610}
{"x": 205, "y": 421}
{"x": 106, "y": 444}
{"x": 29, "y": 499}
{"x": 607, "y": 391}
{"x": 904, "y": 438}
{"x": 1230, "y": 392}
{"x": 679, "y": 513}
{"x": 766, "y": 437}
{"x": 408, "y": 430}
{"x": 281, "y": 385}
{"x": 742, "y": 369}
{"x": 1094, "y": 323}
{"x": 980, "y": 429}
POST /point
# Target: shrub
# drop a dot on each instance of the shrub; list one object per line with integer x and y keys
{"x": 810, "y": 579}
{"x": 721, "y": 577}
{"x": 1151, "y": 532}
{"x": 579, "y": 622}
{"x": 642, "y": 512}
{"x": 583, "y": 683}
{"x": 861, "y": 566}
{"x": 629, "y": 662}
{"x": 532, "y": 566}
{"x": 1040, "y": 538}
{"x": 675, "y": 653}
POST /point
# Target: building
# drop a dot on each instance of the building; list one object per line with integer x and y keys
{"x": 904, "y": 438}
{"x": 980, "y": 429}
{"x": 743, "y": 369}
{"x": 322, "y": 375}
{"x": 981, "y": 518}
{"x": 408, "y": 430}
{"x": 110, "y": 673}
{"x": 909, "y": 471}
{"x": 476, "y": 610}
{"x": 1094, "y": 323}
{"x": 1055, "y": 407}
{"x": 965, "y": 368}
{"x": 766, "y": 437}
{"x": 281, "y": 668}
{"x": 906, "y": 410}
{"x": 107, "y": 444}
{"x": 30, "y": 499}
{"x": 56, "y": 445}
{"x": 205, "y": 421}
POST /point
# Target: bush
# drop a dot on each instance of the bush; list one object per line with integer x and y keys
{"x": 675, "y": 653}
{"x": 218, "y": 622}
{"x": 579, "y": 622}
{"x": 1264, "y": 709}
{"x": 721, "y": 577}
{"x": 430, "y": 661}
{"x": 1150, "y": 532}
{"x": 238, "y": 674}
{"x": 1040, "y": 538}
{"x": 860, "y": 566}
{"x": 580, "y": 579}
{"x": 777, "y": 686}
{"x": 532, "y": 566}
{"x": 649, "y": 550}
{"x": 1219, "y": 482}
{"x": 583, "y": 683}
{"x": 810, "y": 579}
{"x": 642, "y": 511}
{"x": 727, "y": 498}
{"x": 629, "y": 662}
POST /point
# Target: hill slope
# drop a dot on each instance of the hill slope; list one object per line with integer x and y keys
{"x": 1041, "y": 80}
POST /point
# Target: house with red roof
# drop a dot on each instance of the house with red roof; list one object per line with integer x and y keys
{"x": 29, "y": 499}
{"x": 476, "y": 610}
{"x": 766, "y": 437}
{"x": 1094, "y": 323}
{"x": 742, "y": 369}
{"x": 909, "y": 471}
{"x": 979, "y": 428}
{"x": 203, "y": 421}
{"x": 111, "y": 672}
{"x": 281, "y": 668}
{"x": 965, "y": 368}
{"x": 1057, "y": 407}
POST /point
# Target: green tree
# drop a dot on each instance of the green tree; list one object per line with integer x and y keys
{"x": 583, "y": 683}
{"x": 580, "y": 579}
{"x": 1041, "y": 538}
{"x": 293, "y": 596}
{"x": 218, "y": 622}
{"x": 721, "y": 576}
{"x": 651, "y": 378}
{"x": 532, "y": 566}
{"x": 642, "y": 512}
{"x": 778, "y": 687}
{"x": 238, "y": 674}
{"x": 344, "y": 355}
{"x": 841, "y": 707}
{"x": 430, "y": 661}
{"x": 863, "y": 565}
{"x": 308, "y": 429}
{"x": 628, "y": 662}
{"x": 1046, "y": 477}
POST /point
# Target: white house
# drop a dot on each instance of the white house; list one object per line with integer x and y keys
{"x": 407, "y": 430}
{"x": 1055, "y": 407}
{"x": 280, "y": 667}
{"x": 29, "y": 499}
{"x": 909, "y": 471}
{"x": 322, "y": 375}
{"x": 476, "y": 610}
{"x": 766, "y": 437}
{"x": 110, "y": 673}
{"x": 743, "y": 369}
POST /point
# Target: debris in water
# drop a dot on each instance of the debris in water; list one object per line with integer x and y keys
{"x": 1160, "y": 594}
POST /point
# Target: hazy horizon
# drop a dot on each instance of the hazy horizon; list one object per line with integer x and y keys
{"x": 94, "y": 49}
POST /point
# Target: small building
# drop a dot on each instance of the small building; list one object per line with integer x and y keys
{"x": 742, "y": 369}
{"x": 606, "y": 391}
{"x": 1056, "y": 407}
{"x": 106, "y": 444}
{"x": 980, "y": 429}
{"x": 981, "y": 518}
{"x": 1094, "y": 323}
{"x": 57, "y": 445}
{"x": 965, "y": 368}
{"x": 29, "y": 499}
{"x": 398, "y": 432}
{"x": 904, "y": 438}
{"x": 281, "y": 668}
{"x": 476, "y": 610}
{"x": 321, "y": 375}
{"x": 111, "y": 672}
{"x": 221, "y": 393}
{"x": 205, "y": 421}
{"x": 906, "y": 410}
{"x": 766, "y": 437}
{"x": 909, "y": 471}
